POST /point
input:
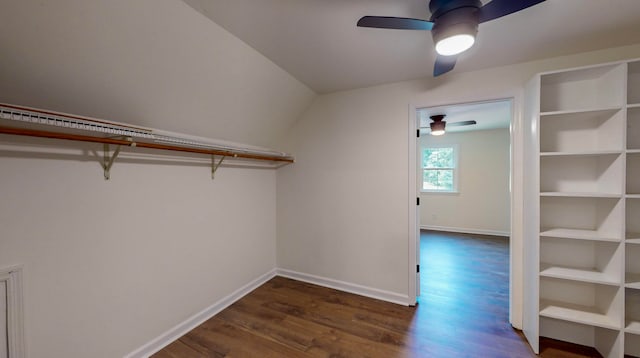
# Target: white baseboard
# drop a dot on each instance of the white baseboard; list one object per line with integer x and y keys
{"x": 192, "y": 322}
{"x": 346, "y": 286}
{"x": 465, "y": 230}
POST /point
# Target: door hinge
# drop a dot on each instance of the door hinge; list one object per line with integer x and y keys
{"x": 418, "y": 268}
{"x": 418, "y": 133}
{"x": 418, "y": 201}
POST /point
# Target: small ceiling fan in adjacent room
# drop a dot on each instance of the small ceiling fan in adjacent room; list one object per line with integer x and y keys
{"x": 453, "y": 25}
{"x": 438, "y": 124}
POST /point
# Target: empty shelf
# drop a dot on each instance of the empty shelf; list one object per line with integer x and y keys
{"x": 580, "y": 195}
{"x": 580, "y": 153}
{"x": 583, "y": 275}
{"x": 633, "y": 327}
{"x": 582, "y": 112}
{"x": 577, "y": 234}
{"x": 632, "y": 235}
{"x": 632, "y": 280}
{"x": 633, "y": 241}
{"x": 576, "y": 313}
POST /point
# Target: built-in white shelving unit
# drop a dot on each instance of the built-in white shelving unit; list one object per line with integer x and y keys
{"x": 582, "y": 230}
{"x": 632, "y": 262}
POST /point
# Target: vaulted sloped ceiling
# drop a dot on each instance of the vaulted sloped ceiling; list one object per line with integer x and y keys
{"x": 318, "y": 42}
{"x": 155, "y": 63}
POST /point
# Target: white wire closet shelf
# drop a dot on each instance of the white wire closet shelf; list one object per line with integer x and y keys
{"x": 32, "y": 122}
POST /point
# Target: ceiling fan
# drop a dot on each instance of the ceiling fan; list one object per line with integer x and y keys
{"x": 453, "y": 25}
{"x": 438, "y": 124}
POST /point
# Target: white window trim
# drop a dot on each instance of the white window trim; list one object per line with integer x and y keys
{"x": 13, "y": 278}
{"x": 455, "y": 169}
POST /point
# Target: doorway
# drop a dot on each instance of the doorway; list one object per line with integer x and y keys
{"x": 462, "y": 179}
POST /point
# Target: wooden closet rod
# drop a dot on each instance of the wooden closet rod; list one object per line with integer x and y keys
{"x": 84, "y": 138}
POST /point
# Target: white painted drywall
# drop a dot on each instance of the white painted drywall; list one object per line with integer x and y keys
{"x": 482, "y": 201}
{"x": 111, "y": 265}
{"x": 343, "y": 207}
{"x": 155, "y": 63}
{"x": 4, "y": 323}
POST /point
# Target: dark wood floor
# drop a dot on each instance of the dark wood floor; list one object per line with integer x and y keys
{"x": 462, "y": 312}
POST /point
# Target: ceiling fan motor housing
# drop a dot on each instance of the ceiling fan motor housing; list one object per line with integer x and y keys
{"x": 453, "y": 25}
{"x": 440, "y": 7}
{"x": 457, "y": 20}
{"x": 437, "y": 117}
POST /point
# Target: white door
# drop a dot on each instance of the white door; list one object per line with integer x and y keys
{"x": 4, "y": 347}
{"x": 531, "y": 241}
{"x": 417, "y": 213}
{"x": 414, "y": 195}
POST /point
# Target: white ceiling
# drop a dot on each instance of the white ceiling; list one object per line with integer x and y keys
{"x": 488, "y": 115}
{"x": 317, "y": 41}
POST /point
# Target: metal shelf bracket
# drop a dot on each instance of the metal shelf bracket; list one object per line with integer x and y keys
{"x": 109, "y": 159}
{"x": 214, "y": 166}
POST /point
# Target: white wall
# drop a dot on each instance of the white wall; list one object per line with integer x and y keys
{"x": 482, "y": 202}
{"x": 111, "y": 265}
{"x": 155, "y": 63}
{"x": 343, "y": 208}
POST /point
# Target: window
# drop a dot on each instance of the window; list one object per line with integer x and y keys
{"x": 439, "y": 169}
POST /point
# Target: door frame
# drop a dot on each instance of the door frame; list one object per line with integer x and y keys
{"x": 12, "y": 277}
{"x": 514, "y": 193}
{"x": 414, "y": 209}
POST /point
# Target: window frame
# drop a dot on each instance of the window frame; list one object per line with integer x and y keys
{"x": 454, "y": 170}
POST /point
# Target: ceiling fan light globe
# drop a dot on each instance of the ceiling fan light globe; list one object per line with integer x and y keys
{"x": 437, "y": 127}
{"x": 455, "y": 44}
{"x": 455, "y": 31}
